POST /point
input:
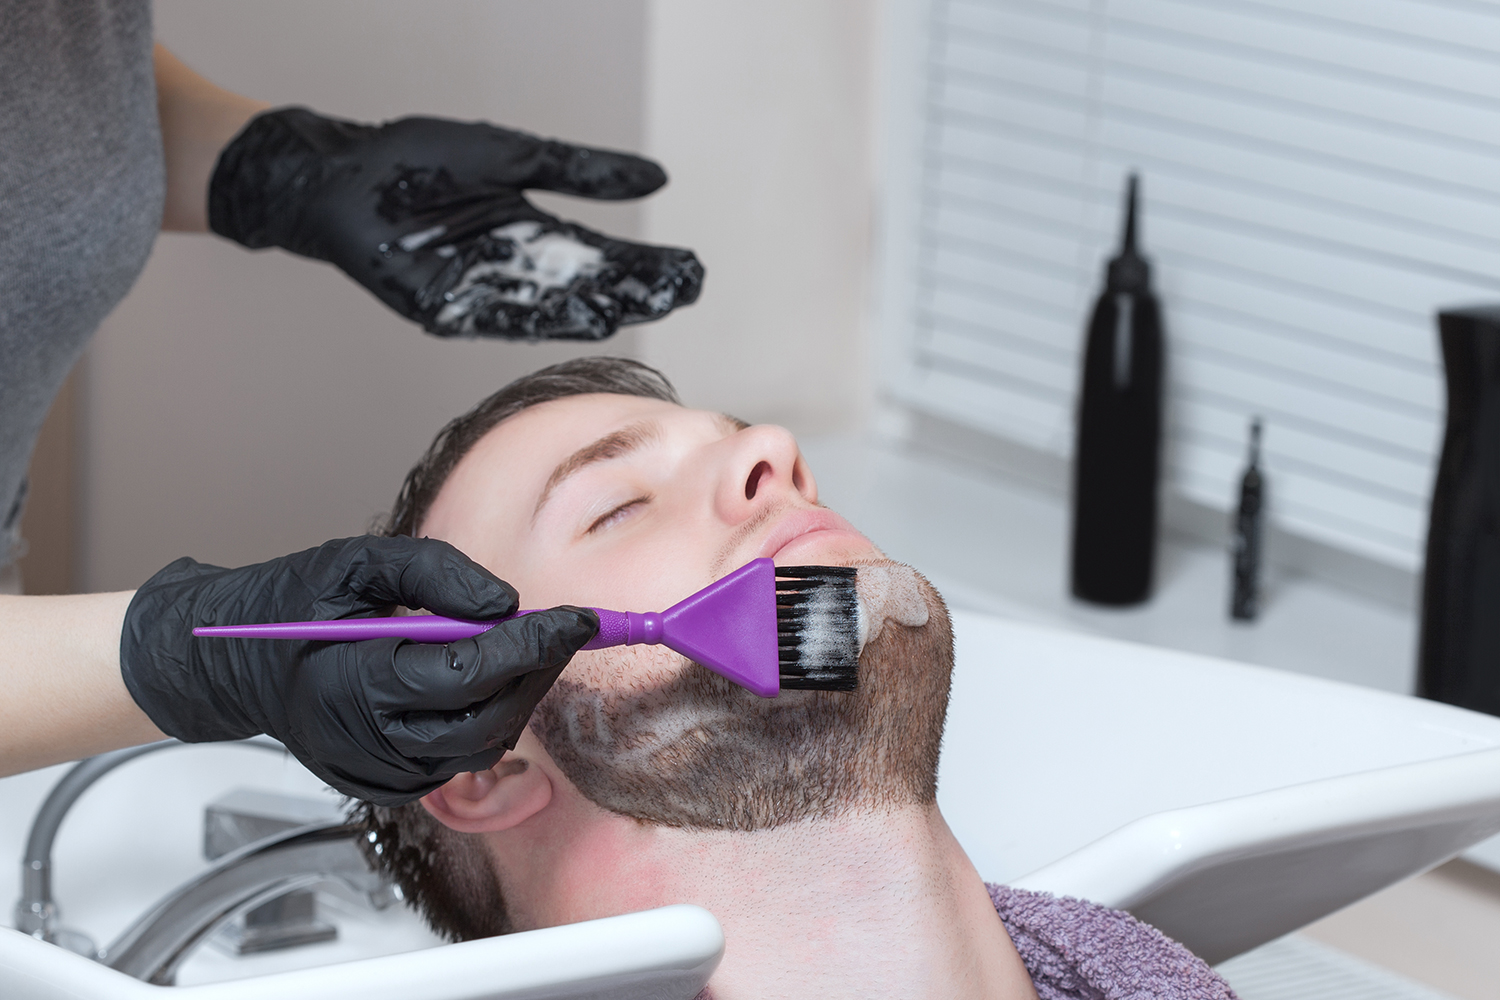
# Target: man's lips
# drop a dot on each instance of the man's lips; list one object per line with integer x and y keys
{"x": 799, "y": 524}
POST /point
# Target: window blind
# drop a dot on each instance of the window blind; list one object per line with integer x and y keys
{"x": 1318, "y": 177}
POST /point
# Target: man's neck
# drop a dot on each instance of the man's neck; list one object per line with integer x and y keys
{"x": 869, "y": 904}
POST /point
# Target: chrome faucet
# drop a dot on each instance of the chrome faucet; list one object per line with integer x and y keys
{"x": 319, "y": 853}
{"x": 155, "y": 945}
{"x": 36, "y": 911}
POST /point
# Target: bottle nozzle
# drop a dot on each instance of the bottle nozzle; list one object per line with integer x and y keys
{"x": 1128, "y": 273}
{"x": 1128, "y": 245}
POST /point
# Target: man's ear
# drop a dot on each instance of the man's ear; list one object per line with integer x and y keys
{"x": 509, "y": 793}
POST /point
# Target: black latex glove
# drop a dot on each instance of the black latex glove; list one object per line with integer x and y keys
{"x": 385, "y": 720}
{"x": 429, "y": 215}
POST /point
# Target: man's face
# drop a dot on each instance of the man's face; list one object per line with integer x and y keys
{"x": 633, "y": 504}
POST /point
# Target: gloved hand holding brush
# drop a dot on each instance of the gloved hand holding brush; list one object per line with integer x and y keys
{"x": 430, "y": 215}
{"x": 383, "y": 720}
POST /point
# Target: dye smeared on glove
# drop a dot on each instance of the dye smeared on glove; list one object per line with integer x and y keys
{"x": 429, "y": 215}
{"x": 384, "y": 720}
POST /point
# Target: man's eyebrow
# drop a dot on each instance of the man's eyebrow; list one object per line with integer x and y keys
{"x": 612, "y": 445}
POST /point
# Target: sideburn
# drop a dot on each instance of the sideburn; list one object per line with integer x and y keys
{"x": 447, "y": 876}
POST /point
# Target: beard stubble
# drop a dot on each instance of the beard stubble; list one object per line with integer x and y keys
{"x": 699, "y": 752}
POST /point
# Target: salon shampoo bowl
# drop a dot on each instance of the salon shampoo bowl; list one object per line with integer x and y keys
{"x": 661, "y": 954}
{"x": 1225, "y": 804}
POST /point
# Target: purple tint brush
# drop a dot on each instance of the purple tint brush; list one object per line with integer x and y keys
{"x": 761, "y": 632}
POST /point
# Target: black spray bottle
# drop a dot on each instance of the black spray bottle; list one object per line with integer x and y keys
{"x": 1244, "y": 601}
{"x": 1115, "y": 463}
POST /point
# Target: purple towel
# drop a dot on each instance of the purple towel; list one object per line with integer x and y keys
{"x": 1077, "y": 950}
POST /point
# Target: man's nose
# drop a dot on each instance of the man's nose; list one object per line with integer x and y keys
{"x": 763, "y": 468}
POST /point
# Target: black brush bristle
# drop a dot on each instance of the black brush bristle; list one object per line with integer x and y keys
{"x": 817, "y": 619}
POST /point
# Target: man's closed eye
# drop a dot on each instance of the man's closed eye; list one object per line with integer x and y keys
{"x": 617, "y": 514}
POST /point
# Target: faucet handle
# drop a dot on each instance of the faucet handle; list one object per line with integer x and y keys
{"x": 244, "y": 815}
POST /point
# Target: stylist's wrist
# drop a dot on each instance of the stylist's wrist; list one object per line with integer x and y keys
{"x": 198, "y": 119}
{"x": 63, "y": 696}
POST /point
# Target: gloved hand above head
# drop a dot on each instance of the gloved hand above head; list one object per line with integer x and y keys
{"x": 429, "y": 214}
{"x": 384, "y": 720}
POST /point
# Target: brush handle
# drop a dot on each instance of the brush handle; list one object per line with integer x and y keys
{"x": 730, "y": 627}
{"x": 616, "y": 628}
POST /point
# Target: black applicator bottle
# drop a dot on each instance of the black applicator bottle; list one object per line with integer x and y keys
{"x": 1459, "y": 655}
{"x": 1115, "y": 464}
{"x": 1244, "y": 600}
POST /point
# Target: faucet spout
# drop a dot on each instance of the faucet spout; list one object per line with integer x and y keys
{"x": 36, "y": 912}
{"x": 155, "y": 946}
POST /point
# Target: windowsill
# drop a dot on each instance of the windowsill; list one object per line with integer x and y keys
{"x": 994, "y": 543}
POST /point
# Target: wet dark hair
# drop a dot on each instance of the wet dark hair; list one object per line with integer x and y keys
{"x": 447, "y": 876}
{"x": 579, "y": 377}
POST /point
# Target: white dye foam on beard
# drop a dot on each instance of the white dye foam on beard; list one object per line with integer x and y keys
{"x": 829, "y": 619}
{"x": 889, "y": 592}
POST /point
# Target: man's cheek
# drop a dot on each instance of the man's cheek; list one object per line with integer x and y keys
{"x": 626, "y": 669}
{"x": 650, "y": 583}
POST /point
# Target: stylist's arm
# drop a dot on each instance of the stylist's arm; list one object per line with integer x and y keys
{"x": 431, "y": 217}
{"x": 384, "y": 720}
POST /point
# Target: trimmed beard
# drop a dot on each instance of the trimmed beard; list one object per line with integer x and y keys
{"x": 700, "y": 752}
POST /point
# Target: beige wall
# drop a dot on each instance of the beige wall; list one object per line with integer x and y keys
{"x": 764, "y": 113}
{"x": 240, "y": 405}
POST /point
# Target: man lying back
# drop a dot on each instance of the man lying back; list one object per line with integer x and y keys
{"x": 807, "y": 823}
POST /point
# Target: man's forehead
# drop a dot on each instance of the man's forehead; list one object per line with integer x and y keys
{"x": 564, "y": 424}
{"x": 549, "y": 432}
{"x": 519, "y": 456}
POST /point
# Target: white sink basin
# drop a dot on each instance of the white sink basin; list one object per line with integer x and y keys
{"x": 1272, "y": 797}
{"x": 138, "y": 834}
